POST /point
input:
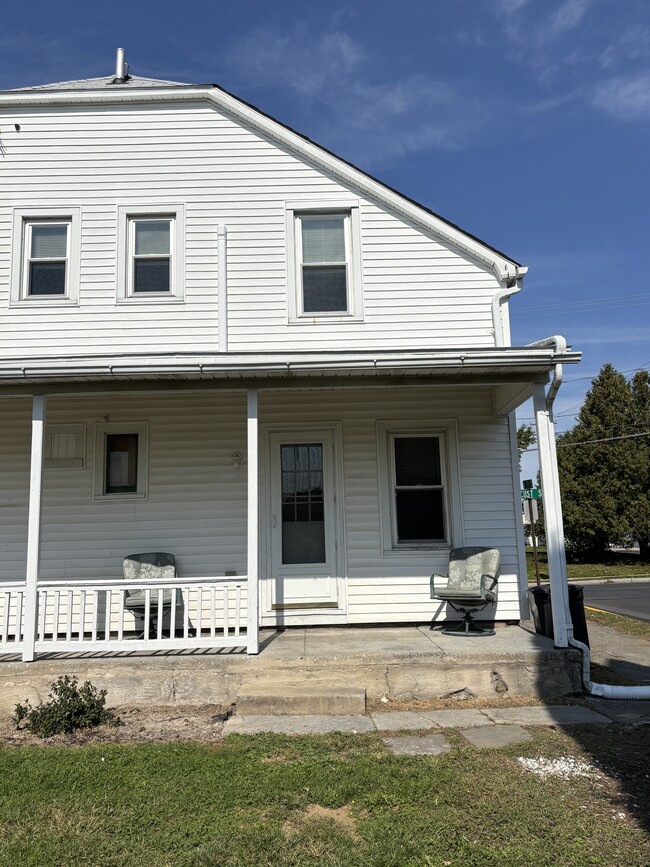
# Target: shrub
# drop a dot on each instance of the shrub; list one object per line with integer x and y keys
{"x": 71, "y": 707}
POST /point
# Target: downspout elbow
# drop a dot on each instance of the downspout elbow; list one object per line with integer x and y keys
{"x": 606, "y": 690}
{"x": 512, "y": 279}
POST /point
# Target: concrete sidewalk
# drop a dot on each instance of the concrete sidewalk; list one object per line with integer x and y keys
{"x": 385, "y": 722}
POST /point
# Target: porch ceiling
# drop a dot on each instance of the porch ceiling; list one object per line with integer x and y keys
{"x": 498, "y": 365}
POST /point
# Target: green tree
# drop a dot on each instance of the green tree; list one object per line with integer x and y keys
{"x": 604, "y": 490}
{"x": 638, "y": 509}
{"x": 525, "y": 439}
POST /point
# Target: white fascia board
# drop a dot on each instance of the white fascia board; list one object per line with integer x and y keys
{"x": 275, "y": 130}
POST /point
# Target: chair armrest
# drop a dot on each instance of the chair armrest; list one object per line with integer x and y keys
{"x": 432, "y": 583}
{"x": 488, "y": 583}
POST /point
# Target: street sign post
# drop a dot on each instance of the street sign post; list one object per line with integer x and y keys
{"x": 529, "y": 494}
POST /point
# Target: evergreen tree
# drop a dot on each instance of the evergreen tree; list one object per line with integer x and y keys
{"x": 602, "y": 485}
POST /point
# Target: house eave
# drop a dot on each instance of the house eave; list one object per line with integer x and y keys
{"x": 499, "y": 364}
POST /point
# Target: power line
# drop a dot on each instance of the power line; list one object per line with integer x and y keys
{"x": 588, "y": 442}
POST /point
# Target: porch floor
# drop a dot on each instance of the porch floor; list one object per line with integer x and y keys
{"x": 397, "y": 662}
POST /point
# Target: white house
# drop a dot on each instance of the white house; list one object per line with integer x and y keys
{"x": 221, "y": 341}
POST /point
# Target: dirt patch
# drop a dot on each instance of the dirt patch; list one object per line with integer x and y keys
{"x": 375, "y": 705}
{"x": 203, "y": 723}
{"x": 341, "y": 816}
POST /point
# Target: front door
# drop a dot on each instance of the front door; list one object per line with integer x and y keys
{"x": 303, "y": 532}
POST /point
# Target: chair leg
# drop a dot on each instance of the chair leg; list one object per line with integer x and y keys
{"x": 467, "y": 627}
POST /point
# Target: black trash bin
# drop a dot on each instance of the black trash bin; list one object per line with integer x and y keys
{"x": 577, "y": 611}
{"x": 539, "y": 599}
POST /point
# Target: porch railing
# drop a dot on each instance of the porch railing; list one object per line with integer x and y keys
{"x": 83, "y": 616}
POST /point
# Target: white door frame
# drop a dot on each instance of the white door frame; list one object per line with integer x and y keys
{"x": 298, "y": 431}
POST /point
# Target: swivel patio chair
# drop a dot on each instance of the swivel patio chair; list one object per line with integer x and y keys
{"x": 152, "y": 565}
{"x": 471, "y": 586}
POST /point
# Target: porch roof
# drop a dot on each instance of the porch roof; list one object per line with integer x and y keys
{"x": 500, "y": 364}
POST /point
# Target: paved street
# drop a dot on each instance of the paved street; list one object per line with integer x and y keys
{"x": 632, "y": 600}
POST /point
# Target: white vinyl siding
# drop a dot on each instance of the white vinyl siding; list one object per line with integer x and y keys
{"x": 417, "y": 290}
{"x": 196, "y": 503}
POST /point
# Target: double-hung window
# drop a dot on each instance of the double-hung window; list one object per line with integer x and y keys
{"x": 151, "y": 246}
{"x": 47, "y": 253}
{"x": 420, "y": 486}
{"x": 418, "y": 489}
{"x": 324, "y": 270}
{"x": 45, "y": 256}
{"x": 151, "y": 255}
{"x": 324, "y": 244}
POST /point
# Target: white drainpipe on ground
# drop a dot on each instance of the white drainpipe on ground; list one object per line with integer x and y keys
{"x": 562, "y": 624}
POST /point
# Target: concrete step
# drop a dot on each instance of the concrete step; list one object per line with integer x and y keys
{"x": 287, "y": 699}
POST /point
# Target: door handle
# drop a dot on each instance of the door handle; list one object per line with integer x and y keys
{"x": 274, "y": 522}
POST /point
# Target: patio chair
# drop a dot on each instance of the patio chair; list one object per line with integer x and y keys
{"x": 471, "y": 586}
{"x": 152, "y": 565}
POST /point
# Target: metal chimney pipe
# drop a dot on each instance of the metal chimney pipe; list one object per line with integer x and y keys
{"x": 120, "y": 65}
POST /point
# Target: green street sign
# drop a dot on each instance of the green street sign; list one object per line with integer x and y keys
{"x": 532, "y": 494}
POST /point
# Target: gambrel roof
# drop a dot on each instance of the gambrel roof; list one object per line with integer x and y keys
{"x": 135, "y": 89}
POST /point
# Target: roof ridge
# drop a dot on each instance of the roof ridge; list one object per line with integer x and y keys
{"x": 97, "y": 83}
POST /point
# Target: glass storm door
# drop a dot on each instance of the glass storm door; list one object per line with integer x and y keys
{"x": 303, "y": 537}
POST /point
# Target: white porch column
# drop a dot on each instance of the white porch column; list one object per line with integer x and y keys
{"x": 34, "y": 528}
{"x": 253, "y": 522}
{"x": 553, "y": 525}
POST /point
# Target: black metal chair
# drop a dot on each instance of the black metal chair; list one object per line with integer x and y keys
{"x": 471, "y": 586}
{"x": 151, "y": 565}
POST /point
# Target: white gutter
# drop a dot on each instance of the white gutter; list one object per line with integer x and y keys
{"x": 602, "y": 690}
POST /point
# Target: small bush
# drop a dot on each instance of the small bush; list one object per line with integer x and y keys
{"x": 71, "y": 707}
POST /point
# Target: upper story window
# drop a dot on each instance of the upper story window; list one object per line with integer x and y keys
{"x": 150, "y": 253}
{"x": 324, "y": 244}
{"x": 151, "y": 260}
{"x": 47, "y": 248}
{"x": 324, "y": 263}
{"x": 45, "y": 256}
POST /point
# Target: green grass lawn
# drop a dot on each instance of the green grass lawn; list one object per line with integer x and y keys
{"x": 332, "y": 800}
{"x": 627, "y": 625}
{"x": 614, "y": 566}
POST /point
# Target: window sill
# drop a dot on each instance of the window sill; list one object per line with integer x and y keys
{"x": 151, "y": 298}
{"x": 44, "y": 301}
{"x": 416, "y": 550}
{"x": 324, "y": 318}
{"x": 105, "y": 498}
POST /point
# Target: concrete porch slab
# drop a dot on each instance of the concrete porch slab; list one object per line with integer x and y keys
{"x": 399, "y": 663}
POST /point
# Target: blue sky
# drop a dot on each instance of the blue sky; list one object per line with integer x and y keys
{"x": 527, "y": 122}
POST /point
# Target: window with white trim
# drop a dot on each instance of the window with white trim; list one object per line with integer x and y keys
{"x": 420, "y": 486}
{"x": 150, "y": 254}
{"x": 45, "y": 257}
{"x": 121, "y": 454}
{"x": 324, "y": 271}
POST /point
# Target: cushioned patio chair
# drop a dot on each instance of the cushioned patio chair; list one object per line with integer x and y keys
{"x": 471, "y": 585}
{"x": 154, "y": 565}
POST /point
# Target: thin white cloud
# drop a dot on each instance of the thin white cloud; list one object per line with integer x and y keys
{"x": 350, "y": 105}
{"x": 632, "y": 45}
{"x": 626, "y": 99}
{"x": 564, "y": 19}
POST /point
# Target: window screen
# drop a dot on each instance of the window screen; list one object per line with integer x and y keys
{"x": 121, "y": 474}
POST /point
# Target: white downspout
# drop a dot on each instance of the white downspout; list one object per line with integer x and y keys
{"x": 602, "y": 690}
{"x": 512, "y": 282}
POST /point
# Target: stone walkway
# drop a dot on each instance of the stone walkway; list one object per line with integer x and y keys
{"x": 488, "y": 728}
